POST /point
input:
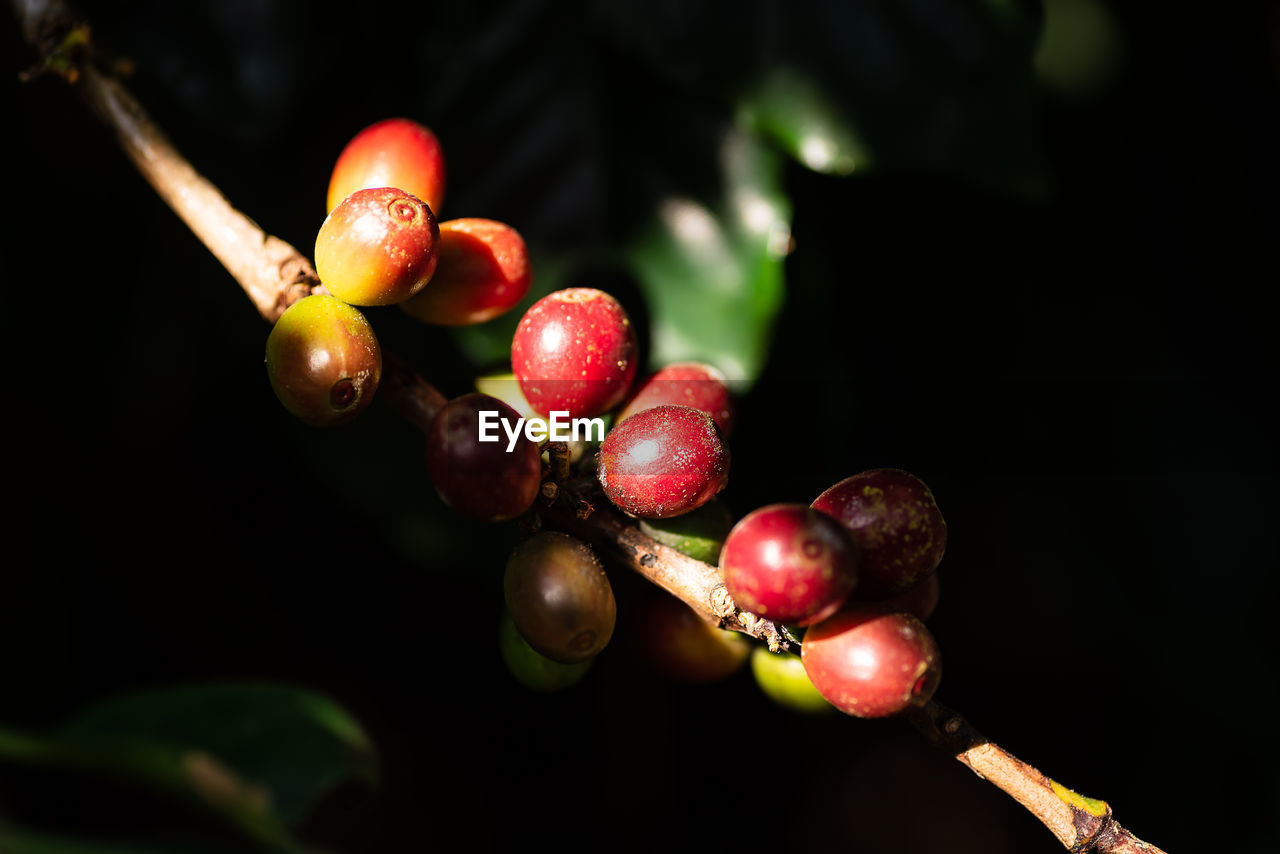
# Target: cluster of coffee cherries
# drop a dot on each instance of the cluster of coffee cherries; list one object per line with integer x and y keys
{"x": 852, "y": 574}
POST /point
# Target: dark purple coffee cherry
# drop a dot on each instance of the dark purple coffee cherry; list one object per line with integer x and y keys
{"x": 481, "y": 480}
{"x": 896, "y": 525}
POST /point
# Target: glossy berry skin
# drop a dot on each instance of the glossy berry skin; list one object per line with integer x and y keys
{"x": 392, "y": 153}
{"x": 871, "y": 663}
{"x": 782, "y": 678}
{"x": 481, "y": 480}
{"x": 531, "y": 668}
{"x": 323, "y": 361}
{"x": 790, "y": 563}
{"x": 686, "y": 384}
{"x": 377, "y": 247}
{"x": 559, "y": 597}
{"x": 679, "y": 645}
{"x": 663, "y": 462}
{"x": 896, "y": 525}
{"x": 483, "y": 271}
{"x": 920, "y": 600}
{"x": 574, "y": 351}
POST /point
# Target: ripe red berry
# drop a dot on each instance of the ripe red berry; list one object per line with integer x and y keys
{"x": 377, "y": 247}
{"x": 679, "y": 645}
{"x": 574, "y": 351}
{"x": 663, "y": 462}
{"x": 789, "y": 562}
{"x": 559, "y": 597}
{"x": 483, "y": 271}
{"x": 323, "y": 360}
{"x": 686, "y": 384}
{"x": 872, "y": 663}
{"x": 481, "y": 480}
{"x": 392, "y": 153}
{"x": 896, "y": 525}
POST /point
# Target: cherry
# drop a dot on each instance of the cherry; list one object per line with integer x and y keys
{"x": 663, "y": 462}
{"x": 377, "y": 247}
{"x": 323, "y": 360}
{"x": 782, "y": 678}
{"x": 920, "y": 600}
{"x": 687, "y": 384}
{"x": 699, "y": 534}
{"x": 559, "y": 597}
{"x": 392, "y": 153}
{"x": 870, "y": 662}
{"x": 483, "y": 271}
{"x": 531, "y": 668}
{"x": 896, "y": 524}
{"x": 789, "y": 562}
{"x": 481, "y": 480}
{"x": 574, "y": 351}
{"x": 678, "y": 644}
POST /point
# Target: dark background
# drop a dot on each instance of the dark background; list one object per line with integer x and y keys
{"x": 1083, "y": 375}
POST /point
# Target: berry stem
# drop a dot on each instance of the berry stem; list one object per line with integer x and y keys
{"x": 274, "y": 275}
{"x": 1081, "y": 824}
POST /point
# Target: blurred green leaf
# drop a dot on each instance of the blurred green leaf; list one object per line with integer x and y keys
{"x": 14, "y": 841}
{"x": 711, "y": 269}
{"x": 794, "y": 111}
{"x": 268, "y": 747}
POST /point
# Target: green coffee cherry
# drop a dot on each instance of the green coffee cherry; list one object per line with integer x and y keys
{"x": 698, "y": 535}
{"x": 531, "y": 668}
{"x": 782, "y": 678}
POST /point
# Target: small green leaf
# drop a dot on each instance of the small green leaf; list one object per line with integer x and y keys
{"x": 252, "y": 747}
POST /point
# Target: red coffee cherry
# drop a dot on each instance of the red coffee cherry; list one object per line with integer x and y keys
{"x": 481, "y": 480}
{"x": 663, "y": 462}
{"x": 377, "y": 247}
{"x": 483, "y": 271}
{"x": 574, "y": 351}
{"x": 679, "y": 645}
{"x": 896, "y": 525}
{"x": 872, "y": 663}
{"x": 392, "y": 153}
{"x": 323, "y": 361}
{"x": 789, "y": 563}
{"x": 686, "y": 384}
{"x": 559, "y": 597}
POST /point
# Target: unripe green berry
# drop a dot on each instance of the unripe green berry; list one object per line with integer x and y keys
{"x": 531, "y": 668}
{"x": 782, "y": 678}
